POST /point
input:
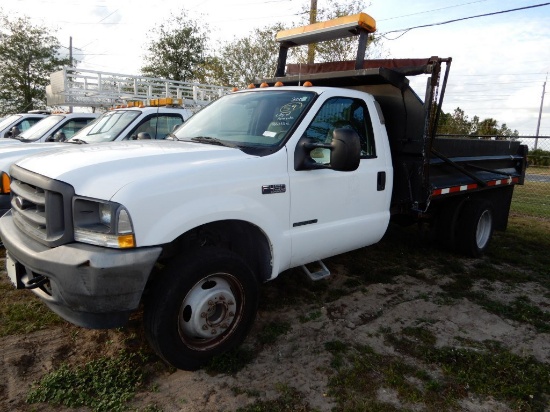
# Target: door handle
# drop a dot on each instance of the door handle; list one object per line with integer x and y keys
{"x": 381, "y": 181}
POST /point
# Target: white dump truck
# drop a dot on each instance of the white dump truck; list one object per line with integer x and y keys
{"x": 314, "y": 163}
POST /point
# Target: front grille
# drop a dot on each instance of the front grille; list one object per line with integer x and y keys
{"x": 41, "y": 207}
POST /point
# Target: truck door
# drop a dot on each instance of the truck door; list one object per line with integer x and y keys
{"x": 333, "y": 212}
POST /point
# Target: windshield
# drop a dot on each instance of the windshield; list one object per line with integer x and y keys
{"x": 253, "y": 120}
{"x": 9, "y": 120}
{"x": 39, "y": 129}
{"x": 107, "y": 127}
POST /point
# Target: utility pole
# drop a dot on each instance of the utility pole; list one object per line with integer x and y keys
{"x": 312, "y": 19}
{"x": 70, "y": 62}
{"x": 540, "y": 112}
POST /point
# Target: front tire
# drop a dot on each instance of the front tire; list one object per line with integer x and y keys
{"x": 475, "y": 227}
{"x": 202, "y": 305}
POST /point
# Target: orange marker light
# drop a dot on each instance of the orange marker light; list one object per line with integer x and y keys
{"x": 279, "y": 84}
{"x": 234, "y": 89}
{"x": 251, "y": 86}
{"x": 264, "y": 84}
{"x": 126, "y": 241}
{"x": 5, "y": 183}
{"x": 308, "y": 84}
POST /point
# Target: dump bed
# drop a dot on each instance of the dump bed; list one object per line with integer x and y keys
{"x": 425, "y": 166}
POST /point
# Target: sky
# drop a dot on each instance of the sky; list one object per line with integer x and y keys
{"x": 500, "y": 62}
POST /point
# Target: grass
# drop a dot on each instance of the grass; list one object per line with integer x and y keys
{"x": 533, "y": 198}
{"x": 21, "y": 312}
{"x": 438, "y": 379}
{"x": 486, "y": 369}
{"x": 103, "y": 385}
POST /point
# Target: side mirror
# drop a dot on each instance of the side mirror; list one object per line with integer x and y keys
{"x": 345, "y": 152}
{"x": 143, "y": 136}
{"x": 59, "y": 137}
{"x": 14, "y": 131}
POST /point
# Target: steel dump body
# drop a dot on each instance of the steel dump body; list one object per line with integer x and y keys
{"x": 426, "y": 167}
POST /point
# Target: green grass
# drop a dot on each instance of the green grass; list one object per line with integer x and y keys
{"x": 532, "y": 199}
{"x": 21, "y": 313}
{"x": 486, "y": 369}
{"x": 103, "y": 385}
{"x": 447, "y": 375}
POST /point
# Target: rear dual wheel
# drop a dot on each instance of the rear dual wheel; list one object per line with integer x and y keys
{"x": 466, "y": 227}
{"x": 475, "y": 227}
{"x": 202, "y": 305}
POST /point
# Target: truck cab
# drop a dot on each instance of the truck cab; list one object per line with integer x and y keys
{"x": 14, "y": 124}
{"x": 56, "y": 127}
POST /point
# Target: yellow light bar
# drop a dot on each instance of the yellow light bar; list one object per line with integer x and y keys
{"x": 166, "y": 101}
{"x": 341, "y": 27}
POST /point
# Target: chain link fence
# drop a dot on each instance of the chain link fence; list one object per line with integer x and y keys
{"x": 533, "y": 197}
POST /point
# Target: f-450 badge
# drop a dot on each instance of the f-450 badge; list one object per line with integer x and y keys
{"x": 271, "y": 189}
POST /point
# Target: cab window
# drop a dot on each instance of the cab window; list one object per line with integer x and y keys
{"x": 159, "y": 127}
{"x": 341, "y": 112}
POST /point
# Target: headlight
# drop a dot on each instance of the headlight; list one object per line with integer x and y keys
{"x": 102, "y": 223}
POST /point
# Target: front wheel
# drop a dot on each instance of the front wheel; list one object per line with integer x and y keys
{"x": 475, "y": 227}
{"x": 202, "y": 305}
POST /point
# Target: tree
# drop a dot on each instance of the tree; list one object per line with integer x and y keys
{"x": 245, "y": 60}
{"x": 458, "y": 123}
{"x": 340, "y": 49}
{"x": 177, "y": 52}
{"x": 490, "y": 127}
{"x": 28, "y": 55}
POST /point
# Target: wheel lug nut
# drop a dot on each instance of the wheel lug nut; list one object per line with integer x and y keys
{"x": 204, "y": 327}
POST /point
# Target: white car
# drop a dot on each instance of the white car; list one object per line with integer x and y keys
{"x": 56, "y": 127}
{"x": 17, "y": 123}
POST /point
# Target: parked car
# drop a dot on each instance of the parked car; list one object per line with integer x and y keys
{"x": 12, "y": 125}
{"x": 56, "y": 127}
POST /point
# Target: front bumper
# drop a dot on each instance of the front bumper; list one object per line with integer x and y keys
{"x": 90, "y": 286}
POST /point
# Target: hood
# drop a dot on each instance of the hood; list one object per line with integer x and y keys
{"x": 100, "y": 170}
{"x": 9, "y": 154}
{"x": 9, "y": 141}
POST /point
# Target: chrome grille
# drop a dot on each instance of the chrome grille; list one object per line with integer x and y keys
{"x": 41, "y": 207}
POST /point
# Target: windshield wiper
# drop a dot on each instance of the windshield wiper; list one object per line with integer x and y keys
{"x": 212, "y": 140}
{"x": 77, "y": 141}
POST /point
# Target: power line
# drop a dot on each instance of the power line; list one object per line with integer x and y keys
{"x": 460, "y": 19}
{"x": 430, "y": 11}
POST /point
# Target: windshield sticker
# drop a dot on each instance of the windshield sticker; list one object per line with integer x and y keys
{"x": 267, "y": 133}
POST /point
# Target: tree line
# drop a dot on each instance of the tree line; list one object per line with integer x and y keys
{"x": 178, "y": 49}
